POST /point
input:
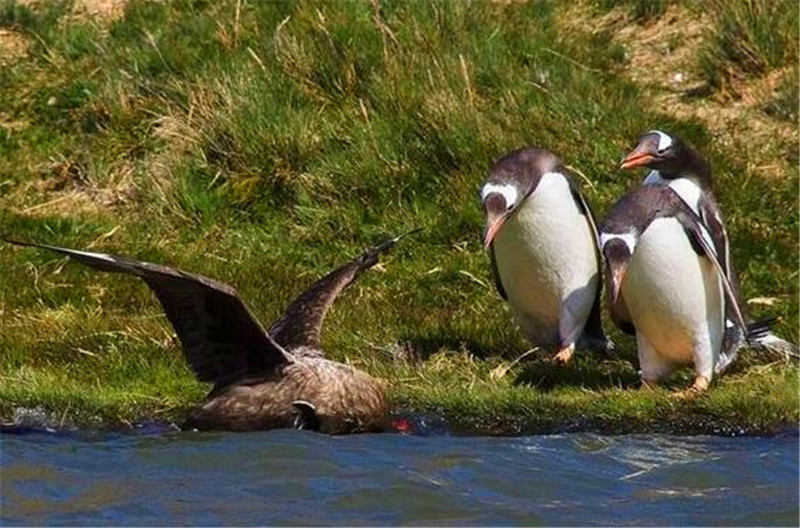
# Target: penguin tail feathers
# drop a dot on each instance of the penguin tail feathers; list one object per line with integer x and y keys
{"x": 760, "y": 336}
{"x": 759, "y": 329}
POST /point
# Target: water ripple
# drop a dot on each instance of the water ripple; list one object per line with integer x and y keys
{"x": 301, "y": 478}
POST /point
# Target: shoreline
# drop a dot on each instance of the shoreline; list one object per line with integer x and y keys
{"x": 268, "y": 159}
{"x": 755, "y": 400}
{"x": 438, "y": 425}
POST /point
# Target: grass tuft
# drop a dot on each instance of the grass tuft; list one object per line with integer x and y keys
{"x": 785, "y": 104}
{"x": 264, "y": 145}
{"x": 641, "y": 10}
{"x": 749, "y": 38}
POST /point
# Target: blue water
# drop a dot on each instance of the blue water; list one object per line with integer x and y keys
{"x": 300, "y": 478}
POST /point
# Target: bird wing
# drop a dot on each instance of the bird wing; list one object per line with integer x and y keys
{"x": 621, "y": 316}
{"x": 580, "y": 201}
{"x": 583, "y": 205}
{"x": 301, "y": 324}
{"x": 220, "y": 338}
{"x": 496, "y": 274}
{"x": 693, "y": 226}
{"x": 712, "y": 221}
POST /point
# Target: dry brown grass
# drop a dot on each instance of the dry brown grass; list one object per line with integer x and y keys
{"x": 62, "y": 190}
{"x": 265, "y": 158}
{"x": 100, "y": 10}
{"x": 661, "y": 55}
{"x": 13, "y": 46}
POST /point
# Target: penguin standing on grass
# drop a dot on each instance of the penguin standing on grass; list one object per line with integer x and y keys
{"x": 675, "y": 164}
{"x": 666, "y": 284}
{"x": 542, "y": 241}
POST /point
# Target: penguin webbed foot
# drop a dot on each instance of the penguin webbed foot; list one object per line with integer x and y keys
{"x": 564, "y": 354}
{"x": 700, "y": 385}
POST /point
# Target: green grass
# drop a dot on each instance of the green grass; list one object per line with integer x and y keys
{"x": 642, "y": 10}
{"x": 264, "y": 149}
{"x": 750, "y": 38}
{"x": 784, "y": 105}
{"x": 603, "y": 398}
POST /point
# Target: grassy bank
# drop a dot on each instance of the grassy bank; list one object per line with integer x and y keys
{"x": 264, "y": 143}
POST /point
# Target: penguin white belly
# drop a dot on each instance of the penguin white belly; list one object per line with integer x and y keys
{"x": 548, "y": 265}
{"x": 675, "y": 297}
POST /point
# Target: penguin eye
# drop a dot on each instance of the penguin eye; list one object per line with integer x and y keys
{"x": 661, "y": 152}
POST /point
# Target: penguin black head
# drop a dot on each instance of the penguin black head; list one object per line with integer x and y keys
{"x": 617, "y": 250}
{"x": 511, "y": 180}
{"x": 667, "y": 154}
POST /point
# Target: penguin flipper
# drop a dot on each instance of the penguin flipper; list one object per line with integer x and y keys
{"x": 594, "y": 337}
{"x": 694, "y": 230}
{"x": 594, "y": 325}
{"x": 715, "y": 226}
{"x": 496, "y": 274}
{"x": 712, "y": 221}
{"x": 620, "y": 315}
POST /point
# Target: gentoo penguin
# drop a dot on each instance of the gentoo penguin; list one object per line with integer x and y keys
{"x": 674, "y": 163}
{"x": 666, "y": 283}
{"x": 262, "y": 379}
{"x": 542, "y": 241}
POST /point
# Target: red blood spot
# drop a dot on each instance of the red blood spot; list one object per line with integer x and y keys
{"x": 401, "y": 425}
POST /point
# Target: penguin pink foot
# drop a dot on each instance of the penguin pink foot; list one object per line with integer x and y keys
{"x": 564, "y": 355}
{"x": 699, "y": 386}
{"x": 666, "y": 283}
{"x": 674, "y": 163}
{"x": 542, "y": 243}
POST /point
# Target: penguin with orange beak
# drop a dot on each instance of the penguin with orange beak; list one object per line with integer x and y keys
{"x": 666, "y": 284}
{"x": 676, "y": 164}
{"x": 542, "y": 242}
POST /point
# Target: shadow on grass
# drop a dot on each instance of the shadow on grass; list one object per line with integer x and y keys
{"x": 589, "y": 373}
{"x": 422, "y": 347}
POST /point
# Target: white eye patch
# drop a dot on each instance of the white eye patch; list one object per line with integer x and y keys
{"x": 508, "y": 192}
{"x": 664, "y": 140}
{"x": 628, "y": 238}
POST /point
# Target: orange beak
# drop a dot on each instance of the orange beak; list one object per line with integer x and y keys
{"x": 493, "y": 226}
{"x": 636, "y": 159}
{"x": 616, "y": 283}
